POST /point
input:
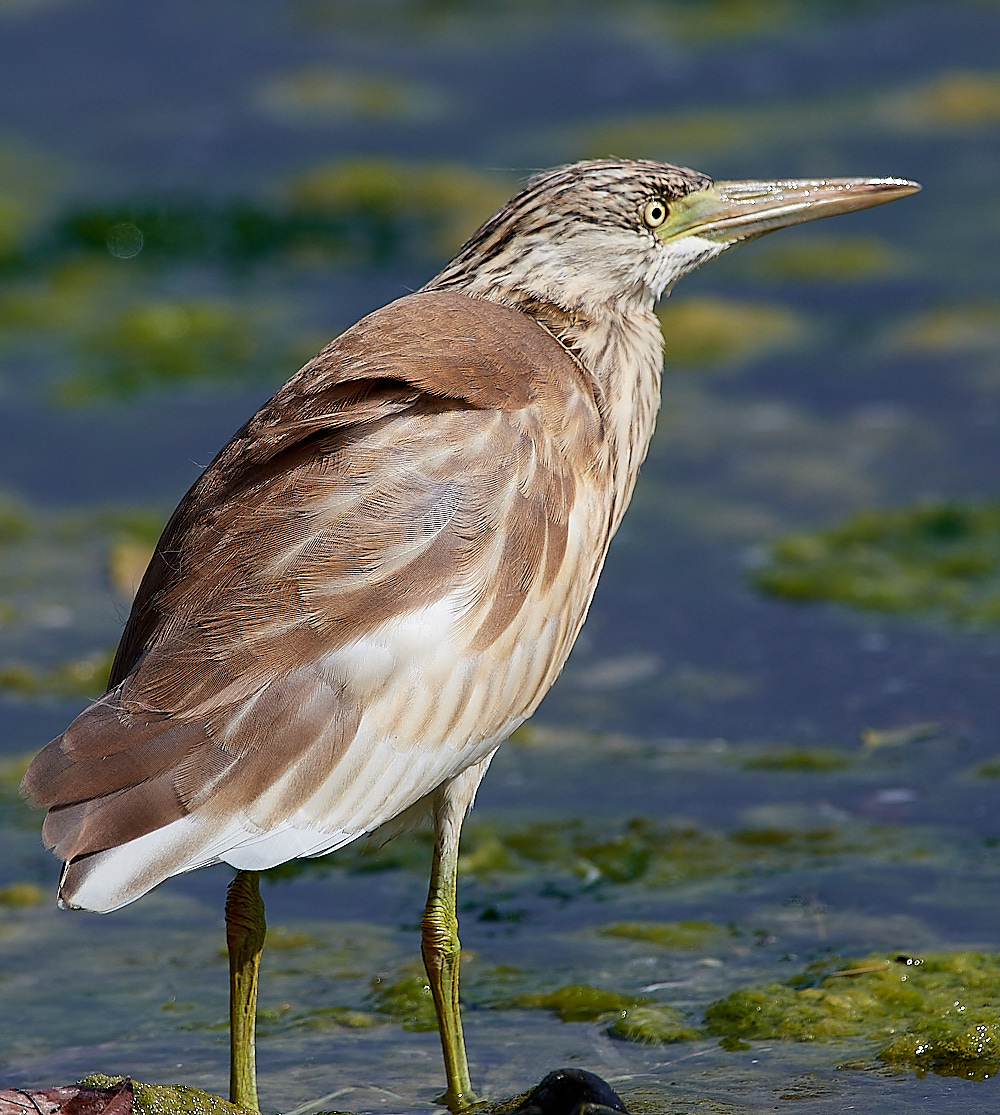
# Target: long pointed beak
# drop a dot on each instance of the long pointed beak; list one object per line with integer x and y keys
{"x": 727, "y": 212}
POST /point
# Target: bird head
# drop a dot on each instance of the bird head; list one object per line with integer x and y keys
{"x": 612, "y": 234}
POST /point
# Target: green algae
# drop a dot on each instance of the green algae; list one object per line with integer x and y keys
{"x": 576, "y": 1002}
{"x": 406, "y": 999}
{"x": 60, "y": 296}
{"x": 873, "y": 738}
{"x": 575, "y": 855}
{"x": 989, "y": 769}
{"x": 349, "y": 212}
{"x": 838, "y": 259}
{"x": 15, "y": 524}
{"x": 166, "y": 342}
{"x": 94, "y": 303}
{"x": 167, "y": 1099}
{"x": 960, "y": 99}
{"x": 654, "y": 1025}
{"x": 22, "y": 895}
{"x": 55, "y": 573}
{"x": 629, "y": 1017}
{"x": 813, "y": 760}
{"x": 938, "y": 559}
{"x": 77, "y": 677}
{"x": 972, "y": 328}
{"x": 330, "y": 93}
{"x": 278, "y": 937}
{"x": 703, "y": 332}
{"x": 15, "y": 812}
{"x": 726, "y": 22}
{"x": 666, "y": 934}
{"x": 286, "y": 1017}
{"x": 432, "y": 207}
{"x": 935, "y": 1013}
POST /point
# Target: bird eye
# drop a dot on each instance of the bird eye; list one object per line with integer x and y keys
{"x": 654, "y": 213}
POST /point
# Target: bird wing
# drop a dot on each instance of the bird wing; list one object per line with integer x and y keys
{"x": 360, "y": 597}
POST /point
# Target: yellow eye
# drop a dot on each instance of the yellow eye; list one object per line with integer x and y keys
{"x": 654, "y": 213}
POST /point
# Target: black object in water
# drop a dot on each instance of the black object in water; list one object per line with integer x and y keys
{"x": 572, "y": 1092}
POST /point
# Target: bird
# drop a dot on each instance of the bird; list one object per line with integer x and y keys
{"x": 377, "y": 580}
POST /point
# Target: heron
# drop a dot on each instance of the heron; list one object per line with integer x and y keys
{"x": 377, "y": 580}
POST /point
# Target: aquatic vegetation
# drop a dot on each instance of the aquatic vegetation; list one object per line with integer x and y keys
{"x": 171, "y": 230}
{"x": 702, "y": 332}
{"x": 940, "y": 559}
{"x": 278, "y": 937}
{"x": 630, "y": 1017}
{"x": 54, "y": 574}
{"x": 666, "y": 934}
{"x": 127, "y": 561}
{"x": 708, "y": 686}
{"x": 167, "y": 1099}
{"x": 585, "y": 854}
{"x": 167, "y": 342}
{"x": 15, "y": 813}
{"x": 406, "y": 999}
{"x": 707, "y": 21}
{"x": 78, "y": 677}
{"x": 359, "y": 211}
{"x": 961, "y": 99}
{"x": 64, "y": 297}
{"x": 325, "y": 1018}
{"x": 318, "y": 94}
{"x": 20, "y": 895}
{"x": 818, "y": 760}
{"x": 576, "y": 1002}
{"x": 279, "y": 1020}
{"x": 823, "y": 259}
{"x": 114, "y": 338}
{"x": 654, "y": 1025}
{"x": 27, "y": 179}
{"x": 14, "y": 521}
{"x": 972, "y": 328}
{"x": 873, "y": 738}
{"x": 935, "y": 1013}
{"x": 432, "y": 207}
{"x": 944, "y": 103}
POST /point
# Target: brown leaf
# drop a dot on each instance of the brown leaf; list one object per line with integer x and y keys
{"x": 74, "y": 1099}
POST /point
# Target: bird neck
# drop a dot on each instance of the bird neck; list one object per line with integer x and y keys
{"x": 620, "y": 348}
{"x": 623, "y": 353}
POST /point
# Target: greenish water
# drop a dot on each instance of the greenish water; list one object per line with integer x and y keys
{"x": 770, "y": 767}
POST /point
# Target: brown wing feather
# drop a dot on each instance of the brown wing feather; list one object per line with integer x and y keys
{"x": 433, "y": 444}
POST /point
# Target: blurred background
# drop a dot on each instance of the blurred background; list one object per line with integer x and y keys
{"x": 779, "y": 724}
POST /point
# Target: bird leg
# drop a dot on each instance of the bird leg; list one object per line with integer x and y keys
{"x": 440, "y": 945}
{"x": 245, "y": 931}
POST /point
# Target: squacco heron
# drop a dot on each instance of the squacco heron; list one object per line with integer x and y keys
{"x": 380, "y": 576}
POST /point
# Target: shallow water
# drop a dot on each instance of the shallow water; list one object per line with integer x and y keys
{"x": 290, "y": 167}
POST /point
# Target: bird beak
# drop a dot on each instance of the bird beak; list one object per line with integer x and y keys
{"x": 727, "y": 212}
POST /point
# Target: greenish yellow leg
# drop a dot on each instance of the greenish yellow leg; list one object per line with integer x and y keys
{"x": 245, "y": 930}
{"x": 442, "y": 949}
